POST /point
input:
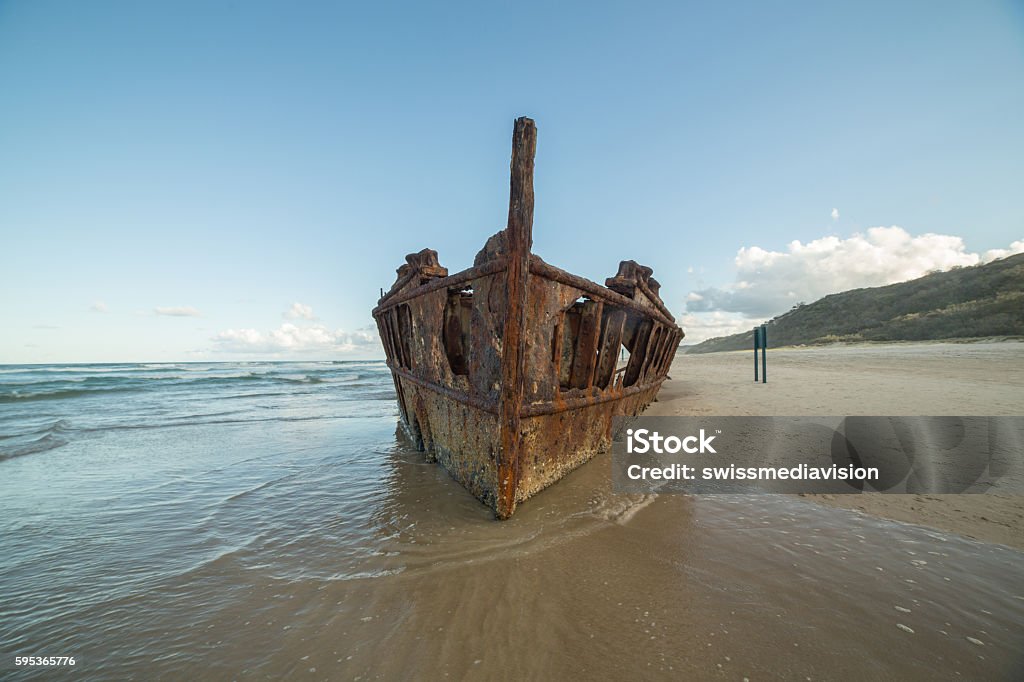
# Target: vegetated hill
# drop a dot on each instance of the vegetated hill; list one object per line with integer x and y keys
{"x": 977, "y": 301}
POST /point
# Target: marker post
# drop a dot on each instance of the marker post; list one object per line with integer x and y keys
{"x": 757, "y": 346}
{"x": 764, "y": 355}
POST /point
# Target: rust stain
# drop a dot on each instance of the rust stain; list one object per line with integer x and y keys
{"x": 508, "y": 373}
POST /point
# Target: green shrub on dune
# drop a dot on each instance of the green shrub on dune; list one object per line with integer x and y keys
{"x": 980, "y": 301}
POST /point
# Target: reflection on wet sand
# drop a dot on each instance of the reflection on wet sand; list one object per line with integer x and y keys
{"x": 585, "y": 584}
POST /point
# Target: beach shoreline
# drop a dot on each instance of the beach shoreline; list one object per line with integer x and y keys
{"x": 272, "y": 520}
{"x": 901, "y": 379}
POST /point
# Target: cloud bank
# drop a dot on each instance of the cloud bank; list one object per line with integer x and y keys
{"x": 291, "y": 338}
{"x": 996, "y": 254}
{"x": 703, "y": 326}
{"x": 769, "y": 283}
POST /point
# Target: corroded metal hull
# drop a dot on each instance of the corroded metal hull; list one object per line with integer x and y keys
{"x": 508, "y": 373}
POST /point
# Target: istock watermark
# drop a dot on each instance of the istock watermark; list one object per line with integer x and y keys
{"x": 641, "y": 441}
{"x": 815, "y": 454}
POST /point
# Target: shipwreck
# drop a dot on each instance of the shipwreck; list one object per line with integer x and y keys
{"x": 509, "y": 373}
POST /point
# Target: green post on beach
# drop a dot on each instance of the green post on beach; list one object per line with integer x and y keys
{"x": 757, "y": 345}
{"x": 764, "y": 355}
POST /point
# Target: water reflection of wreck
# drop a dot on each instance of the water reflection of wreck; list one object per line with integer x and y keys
{"x": 507, "y": 373}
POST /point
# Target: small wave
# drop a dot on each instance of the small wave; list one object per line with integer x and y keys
{"x": 622, "y": 508}
{"x": 84, "y": 386}
{"x": 215, "y": 422}
{"x": 268, "y": 394}
{"x": 255, "y": 489}
{"x": 223, "y": 378}
{"x": 199, "y": 416}
{"x": 308, "y": 379}
{"x": 67, "y": 369}
{"x": 217, "y": 559}
{"x": 16, "y": 396}
{"x": 47, "y": 442}
{"x": 58, "y": 426}
{"x": 384, "y": 394}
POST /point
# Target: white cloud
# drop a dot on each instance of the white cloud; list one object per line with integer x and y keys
{"x": 703, "y": 326}
{"x": 770, "y": 282}
{"x": 835, "y": 214}
{"x": 299, "y": 311}
{"x": 996, "y": 254}
{"x": 289, "y": 338}
{"x": 99, "y": 307}
{"x": 177, "y": 311}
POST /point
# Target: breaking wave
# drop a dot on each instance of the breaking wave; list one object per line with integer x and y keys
{"x": 69, "y": 387}
{"x": 39, "y": 403}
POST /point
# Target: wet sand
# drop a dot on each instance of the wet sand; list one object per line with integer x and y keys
{"x": 984, "y": 379}
{"x": 581, "y": 584}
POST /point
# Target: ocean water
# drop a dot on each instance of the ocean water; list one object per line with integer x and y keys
{"x": 269, "y": 520}
{"x": 118, "y": 482}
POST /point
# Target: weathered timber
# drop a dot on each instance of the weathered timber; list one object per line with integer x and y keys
{"x": 506, "y": 373}
{"x": 513, "y": 340}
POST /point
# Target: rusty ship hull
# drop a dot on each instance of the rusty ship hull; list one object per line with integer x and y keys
{"x": 509, "y": 373}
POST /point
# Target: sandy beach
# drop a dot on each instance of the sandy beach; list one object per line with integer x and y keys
{"x": 929, "y": 379}
{"x": 271, "y": 521}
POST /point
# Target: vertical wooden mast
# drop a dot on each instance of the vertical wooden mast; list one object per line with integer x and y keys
{"x": 513, "y": 341}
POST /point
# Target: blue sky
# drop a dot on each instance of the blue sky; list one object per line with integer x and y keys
{"x": 175, "y": 177}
